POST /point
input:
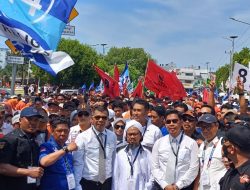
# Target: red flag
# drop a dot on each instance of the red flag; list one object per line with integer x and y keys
{"x": 180, "y": 91}
{"x": 111, "y": 86}
{"x": 138, "y": 92}
{"x": 205, "y": 95}
{"x": 125, "y": 90}
{"x": 116, "y": 73}
{"x": 159, "y": 80}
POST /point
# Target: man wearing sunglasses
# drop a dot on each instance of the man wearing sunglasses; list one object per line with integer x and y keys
{"x": 189, "y": 126}
{"x": 93, "y": 162}
{"x": 212, "y": 168}
{"x": 175, "y": 163}
{"x": 236, "y": 147}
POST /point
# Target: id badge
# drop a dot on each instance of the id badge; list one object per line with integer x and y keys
{"x": 31, "y": 179}
{"x": 71, "y": 181}
{"x": 131, "y": 182}
{"x": 205, "y": 178}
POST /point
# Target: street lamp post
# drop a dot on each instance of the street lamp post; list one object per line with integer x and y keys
{"x": 103, "y": 48}
{"x": 231, "y": 59}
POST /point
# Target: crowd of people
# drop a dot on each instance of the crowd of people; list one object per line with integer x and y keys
{"x": 92, "y": 142}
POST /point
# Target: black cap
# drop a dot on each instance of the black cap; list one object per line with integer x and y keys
{"x": 207, "y": 118}
{"x": 53, "y": 104}
{"x": 239, "y": 136}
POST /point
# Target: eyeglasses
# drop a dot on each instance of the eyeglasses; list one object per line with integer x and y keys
{"x": 119, "y": 126}
{"x": 169, "y": 121}
{"x": 207, "y": 126}
{"x": 202, "y": 113}
{"x": 188, "y": 119}
{"x": 100, "y": 117}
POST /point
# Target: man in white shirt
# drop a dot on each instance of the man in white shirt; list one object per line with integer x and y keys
{"x": 175, "y": 163}
{"x": 151, "y": 132}
{"x": 93, "y": 162}
{"x": 132, "y": 169}
{"x": 83, "y": 118}
{"x": 212, "y": 168}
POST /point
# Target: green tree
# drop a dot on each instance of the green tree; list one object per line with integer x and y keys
{"x": 242, "y": 57}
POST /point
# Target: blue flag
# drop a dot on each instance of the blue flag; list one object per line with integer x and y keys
{"x": 92, "y": 86}
{"x": 124, "y": 78}
{"x": 35, "y": 28}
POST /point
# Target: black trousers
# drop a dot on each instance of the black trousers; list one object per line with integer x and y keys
{"x": 156, "y": 186}
{"x": 94, "y": 185}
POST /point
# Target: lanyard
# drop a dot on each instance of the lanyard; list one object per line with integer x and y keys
{"x": 100, "y": 142}
{"x": 210, "y": 156}
{"x": 177, "y": 152}
{"x": 145, "y": 129}
{"x": 132, "y": 163}
{"x": 68, "y": 170}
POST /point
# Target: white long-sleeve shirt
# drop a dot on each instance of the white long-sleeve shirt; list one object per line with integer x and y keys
{"x": 74, "y": 131}
{"x": 141, "y": 179}
{"x": 86, "y": 158}
{"x": 216, "y": 170}
{"x": 187, "y": 165}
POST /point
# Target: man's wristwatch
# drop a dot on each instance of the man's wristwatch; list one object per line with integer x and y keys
{"x": 65, "y": 148}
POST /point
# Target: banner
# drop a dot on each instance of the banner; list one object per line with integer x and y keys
{"x": 111, "y": 87}
{"x": 244, "y": 73}
{"x": 35, "y": 27}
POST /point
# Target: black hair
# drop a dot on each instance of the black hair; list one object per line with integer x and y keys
{"x": 226, "y": 106}
{"x": 173, "y": 111}
{"x": 100, "y": 109}
{"x": 160, "y": 110}
{"x": 210, "y": 107}
{"x": 83, "y": 113}
{"x": 52, "y": 117}
{"x": 117, "y": 104}
{"x": 141, "y": 102}
{"x": 60, "y": 120}
{"x": 181, "y": 105}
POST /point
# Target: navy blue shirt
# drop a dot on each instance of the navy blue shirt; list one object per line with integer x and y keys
{"x": 54, "y": 177}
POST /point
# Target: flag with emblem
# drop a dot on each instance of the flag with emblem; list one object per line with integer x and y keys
{"x": 35, "y": 27}
{"x": 111, "y": 86}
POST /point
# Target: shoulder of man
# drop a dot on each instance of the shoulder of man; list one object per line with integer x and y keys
{"x": 118, "y": 149}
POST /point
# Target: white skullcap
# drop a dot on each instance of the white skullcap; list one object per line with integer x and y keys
{"x": 135, "y": 124}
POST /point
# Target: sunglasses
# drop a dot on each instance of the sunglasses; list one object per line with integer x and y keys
{"x": 202, "y": 113}
{"x": 169, "y": 121}
{"x": 100, "y": 117}
{"x": 119, "y": 126}
{"x": 188, "y": 119}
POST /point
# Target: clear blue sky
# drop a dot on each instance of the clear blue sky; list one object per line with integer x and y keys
{"x": 186, "y": 32}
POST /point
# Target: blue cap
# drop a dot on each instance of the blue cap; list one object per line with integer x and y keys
{"x": 30, "y": 112}
{"x": 207, "y": 118}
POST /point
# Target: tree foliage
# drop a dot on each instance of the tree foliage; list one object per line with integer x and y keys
{"x": 85, "y": 56}
{"x": 242, "y": 57}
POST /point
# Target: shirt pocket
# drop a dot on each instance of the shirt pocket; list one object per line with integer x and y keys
{"x": 92, "y": 151}
{"x": 164, "y": 156}
{"x": 184, "y": 155}
{"x": 110, "y": 148}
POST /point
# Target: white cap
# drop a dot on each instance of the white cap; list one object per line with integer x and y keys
{"x": 15, "y": 119}
{"x": 134, "y": 123}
